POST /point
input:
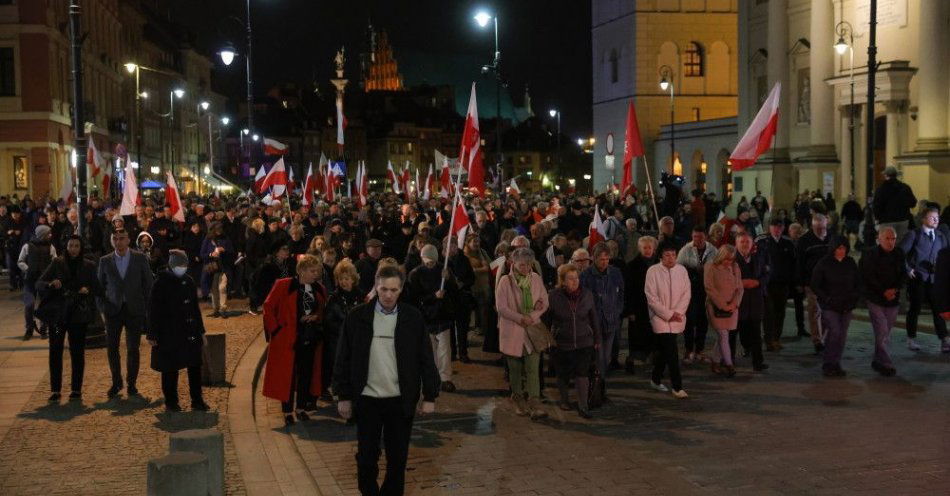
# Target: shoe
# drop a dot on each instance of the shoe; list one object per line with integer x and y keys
{"x": 302, "y": 416}
{"x": 28, "y": 335}
{"x": 716, "y": 369}
{"x": 253, "y": 311}
{"x": 802, "y": 333}
{"x": 680, "y": 394}
{"x": 200, "y": 406}
{"x": 172, "y": 407}
{"x": 448, "y": 386}
{"x": 289, "y": 420}
{"x": 630, "y": 366}
{"x": 465, "y": 359}
{"x": 839, "y": 372}
{"x": 945, "y": 345}
{"x": 224, "y": 315}
{"x": 54, "y": 397}
{"x": 44, "y": 334}
{"x": 877, "y": 366}
{"x": 730, "y": 371}
{"x": 701, "y": 357}
{"x": 536, "y": 410}
{"x": 213, "y": 315}
{"x": 912, "y": 344}
{"x": 760, "y": 367}
{"x": 518, "y": 402}
{"x": 132, "y": 391}
{"x": 659, "y": 387}
{"x": 75, "y": 395}
{"x": 585, "y": 414}
{"x": 113, "y": 391}
{"x": 688, "y": 359}
{"x": 819, "y": 347}
{"x": 563, "y": 405}
{"x": 889, "y": 372}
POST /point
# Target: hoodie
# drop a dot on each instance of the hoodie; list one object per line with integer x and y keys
{"x": 836, "y": 283}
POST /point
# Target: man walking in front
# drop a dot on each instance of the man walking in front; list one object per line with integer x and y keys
{"x": 921, "y": 247}
{"x": 126, "y": 279}
{"x": 882, "y": 275}
{"x": 383, "y": 359}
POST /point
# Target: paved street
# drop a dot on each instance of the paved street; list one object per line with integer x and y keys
{"x": 788, "y": 431}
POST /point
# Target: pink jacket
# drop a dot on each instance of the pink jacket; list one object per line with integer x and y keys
{"x": 723, "y": 286}
{"x": 511, "y": 335}
{"x": 668, "y": 292}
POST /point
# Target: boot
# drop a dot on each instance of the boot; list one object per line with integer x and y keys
{"x": 518, "y": 402}
{"x": 536, "y": 410}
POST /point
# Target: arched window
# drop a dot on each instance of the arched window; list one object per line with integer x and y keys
{"x": 614, "y": 66}
{"x": 693, "y": 63}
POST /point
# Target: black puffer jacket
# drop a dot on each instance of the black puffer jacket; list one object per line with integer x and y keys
{"x": 835, "y": 282}
{"x": 893, "y": 201}
{"x": 574, "y": 324}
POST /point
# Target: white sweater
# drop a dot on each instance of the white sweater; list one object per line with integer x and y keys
{"x": 667, "y": 293}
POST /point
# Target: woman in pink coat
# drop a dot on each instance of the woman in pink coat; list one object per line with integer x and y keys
{"x": 723, "y": 282}
{"x": 521, "y": 300}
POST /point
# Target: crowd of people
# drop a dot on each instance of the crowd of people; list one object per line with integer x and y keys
{"x": 370, "y": 307}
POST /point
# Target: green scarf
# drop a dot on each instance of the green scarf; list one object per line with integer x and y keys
{"x": 527, "y": 303}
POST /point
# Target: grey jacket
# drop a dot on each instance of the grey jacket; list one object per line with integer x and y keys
{"x": 574, "y": 326}
{"x": 133, "y": 291}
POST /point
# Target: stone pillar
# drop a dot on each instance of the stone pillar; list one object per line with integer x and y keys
{"x": 214, "y": 357}
{"x": 821, "y": 60}
{"x": 845, "y": 153}
{"x": 207, "y": 442}
{"x": 933, "y": 79}
{"x": 182, "y": 473}
{"x": 777, "y": 67}
{"x": 893, "y": 144}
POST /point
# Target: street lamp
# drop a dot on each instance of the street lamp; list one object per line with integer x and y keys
{"x": 557, "y": 113}
{"x": 144, "y": 95}
{"x": 225, "y": 120}
{"x": 844, "y": 29}
{"x": 666, "y": 82}
{"x": 482, "y": 18}
{"x": 205, "y": 105}
{"x": 179, "y": 93}
{"x": 255, "y": 137}
{"x": 228, "y": 53}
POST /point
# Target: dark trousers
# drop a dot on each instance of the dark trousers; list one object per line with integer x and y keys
{"x": 697, "y": 323}
{"x": 329, "y": 359}
{"x": 798, "y": 298}
{"x": 381, "y": 419}
{"x": 918, "y": 292}
{"x": 170, "y": 386}
{"x": 459, "y": 333}
{"x": 667, "y": 355}
{"x": 640, "y": 341}
{"x": 16, "y": 275}
{"x": 775, "y": 297}
{"x": 133, "y": 337}
{"x": 77, "y": 355}
{"x": 750, "y": 332}
{"x": 573, "y": 364}
{"x": 303, "y": 376}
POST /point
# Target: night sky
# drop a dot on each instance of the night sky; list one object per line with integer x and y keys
{"x": 544, "y": 43}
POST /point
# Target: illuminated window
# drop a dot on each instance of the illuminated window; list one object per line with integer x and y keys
{"x": 693, "y": 63}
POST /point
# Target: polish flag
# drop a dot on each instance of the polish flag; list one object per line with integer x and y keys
{"x": 130, "y": 193}
{"x": 427, "y": 187}
{"x": 274, "y": 147}
{"x": 323, "y": 180}
{"x": 632, "y": 148}
{"x": 392, "y": 177}
{"x": 172, "y": 198}
{"x": 460, "y": 222}
{"x": 513, "y": 188}
{"x": 404, "y": 179}
{"x": 445, "y": 180}
{"x": 340, "y": 124}
{"x": 758, "y": 138}
{"x": 94, "y": 159}
{"x": 68, "y": 191}
{"x": 106, "y": 184}
{"x": 291, "y": 180}
{"x": 276, "y": 178}
{"x": 309, "y": 186}
{"x": 364, "y": 187}
{"x": 597, "y": 230}
{"x": 259, "y": 179}
{"x": 470, "y": 157}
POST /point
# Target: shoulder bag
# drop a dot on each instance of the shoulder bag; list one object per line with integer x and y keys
{"x": 538, "y": 333}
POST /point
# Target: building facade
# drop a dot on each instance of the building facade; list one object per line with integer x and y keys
{"x": 691, "y": 42}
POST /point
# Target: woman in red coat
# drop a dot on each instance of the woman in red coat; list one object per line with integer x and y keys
{"x": 293, "y": 325}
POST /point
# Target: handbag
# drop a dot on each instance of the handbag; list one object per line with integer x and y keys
{"x": 538, "y": 333}
{"x": 51, "y": 309}
{"x": 212, "y": 266}
{"x": 720, "y": 313}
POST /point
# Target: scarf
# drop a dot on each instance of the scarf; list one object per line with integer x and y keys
{"x": 524, "y": 282}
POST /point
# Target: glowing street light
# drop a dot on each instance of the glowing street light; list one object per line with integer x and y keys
{"x": 179, "y": 93}
{"x": 227, "y": 55}
{"x": 246, "y": 131}
{"x": 255, "y": 137}
{"x": 131, "y": 67}
{"x": 204, "y": 105}
{"x": 225, "y": 120}
{"x": 144, "y": 95}
{"x": 483, "y": 18}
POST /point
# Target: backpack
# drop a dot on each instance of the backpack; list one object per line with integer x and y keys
{"x": 38, "y": 258}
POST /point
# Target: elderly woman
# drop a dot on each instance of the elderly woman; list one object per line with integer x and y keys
{"x": 293, "y": 324}
{"x": 639, "y": 333}
{"x": 573, "y": 319}
{"x": 723, "y": 281}
{"x": 218, "y": 255}
{"x": 717, "y": 234}
{"x": 346, "y": 296}
{"x": 521, "y": 301}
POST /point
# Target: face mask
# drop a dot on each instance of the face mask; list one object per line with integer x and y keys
{"x": 179, "y": 271}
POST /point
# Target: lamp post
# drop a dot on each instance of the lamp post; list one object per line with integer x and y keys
{"x": 135, "y": 69}
{"x": 175, "y": 93}
{"x": 666, "y": 82}
{"x": 483, "y": 18}
{"x": 227, "y": 55}
{"x": 79, "y": 124}
{"x": 844, "y": 29}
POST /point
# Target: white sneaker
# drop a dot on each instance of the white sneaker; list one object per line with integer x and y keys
{"x": 681, "y": 394}
{"x": 912, "y": 344}
{"x": 659, "y": 387}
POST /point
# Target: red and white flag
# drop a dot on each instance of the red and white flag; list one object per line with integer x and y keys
{"x": 470, "y": 157}
{"x": 172, "y": 198}
{"x": 130, "y": 193}
{"x": 276, "y": 178}
{"x": 340, "y": 124}
{"x": 513, "y": 188}
{"x": 94, "y": 159}
{"x": 445, "y": 180}
{"x": 392, "y": 177}
{"x": 309, "y": 186}
{"x": 106, "y": 184}
{"x": 598, "y": 230}
{"x": 460, "y": 222}
{"x": 632, "y": 148}
{"x": 274, "y": 147}
{"x": 427, "y": 187}
{"x": 758, "y": 138}
{"x": 404, "y": 180}
{"x": 323, "y": 179}
{"x": 291, "y": 180}
{"x": 68, "y": 192}
{"x": 259, "y": 179}
{"x": 362, "y": 185}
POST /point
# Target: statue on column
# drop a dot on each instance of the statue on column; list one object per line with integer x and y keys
{"x": 340, "y": 60}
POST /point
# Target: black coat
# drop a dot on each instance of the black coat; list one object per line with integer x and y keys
{"x": 781, "y": 258}
{"x": 175, "y": 322}
{"x": 634, "y": 280}
{"x": 835, "y": 283}
{"x": 881, "y": 271}
{"x": 421, "y": 286}
{"x": 753, "y": 299}
{"x": 809, "y": 251}
{"x": 893, "y": 201}
{"x": 338, "y": 306}
{"x": 415, "y": 365}
{"x": 75, "y": 305}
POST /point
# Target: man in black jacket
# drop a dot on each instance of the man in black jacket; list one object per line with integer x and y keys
{"x": 882, "y": 276}
{"x": 780, "y": 253}
{"x": 892, "y": 203}
{"x": 383, "y": 357}
{"x": 367, "y": 264}
{"x": 812, "y": 247}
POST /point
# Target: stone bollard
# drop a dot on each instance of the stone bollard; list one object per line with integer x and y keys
{"x": 212, "y": 366}
{"x": 209, "y": 443}
{"x": 182, "y": 473}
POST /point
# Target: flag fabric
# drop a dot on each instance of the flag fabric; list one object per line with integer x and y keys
{"x": 470, "y": 157}
{"x": 460, "y": 222}
{"x": 106, "y": 184}
{"x": 274, "y": 147}
{"x": 362, "y": 185}
{"x": 94, "y": 159}
{"x": 392, "y": 177}
{"x": 513, "y": 187}
{"x": 632, "y": 148}
{"x": 322, "y": 176}
{"x": 597, "y": 230}
{"x": 340, "y": 124}
{"x": 259, "y": 179}
{"x": 427, "y": 187}
{"x": 758, "y": 138}
{"x": 445, "y": 179}
{"x": 68, "y": 191}
{"x": 309, "y": 185}
{"x": 417, "y": 185}
{"x": 496, "y": 265}
{"x": 291, "y": 180}
{"x": 172, "y": 199}
{"x": 404, "y": 179}
{"x": 130, "y": 192}
{"x": 276, "y": 179}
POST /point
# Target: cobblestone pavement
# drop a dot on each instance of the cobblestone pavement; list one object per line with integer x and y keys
{"x": 101, "y": 446}
{"x": 787, "y": 431}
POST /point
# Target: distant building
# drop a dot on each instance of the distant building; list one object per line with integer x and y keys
{"x": 383, "y": 73}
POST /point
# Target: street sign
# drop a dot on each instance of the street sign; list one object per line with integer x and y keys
{"x": 609, "y": 162}
{"x": 610, "y": 146}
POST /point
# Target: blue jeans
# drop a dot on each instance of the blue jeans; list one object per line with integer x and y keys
{"x": 606, "y": 348}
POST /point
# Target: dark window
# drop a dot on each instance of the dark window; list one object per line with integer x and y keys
{"x": 693, "y": 63}
{"x": 6, "y": 2}
{"x": 7, "y": 72}
{"x": 614, "y": 63}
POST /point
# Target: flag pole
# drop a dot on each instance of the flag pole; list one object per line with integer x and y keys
{"x": 656, "y": 213}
